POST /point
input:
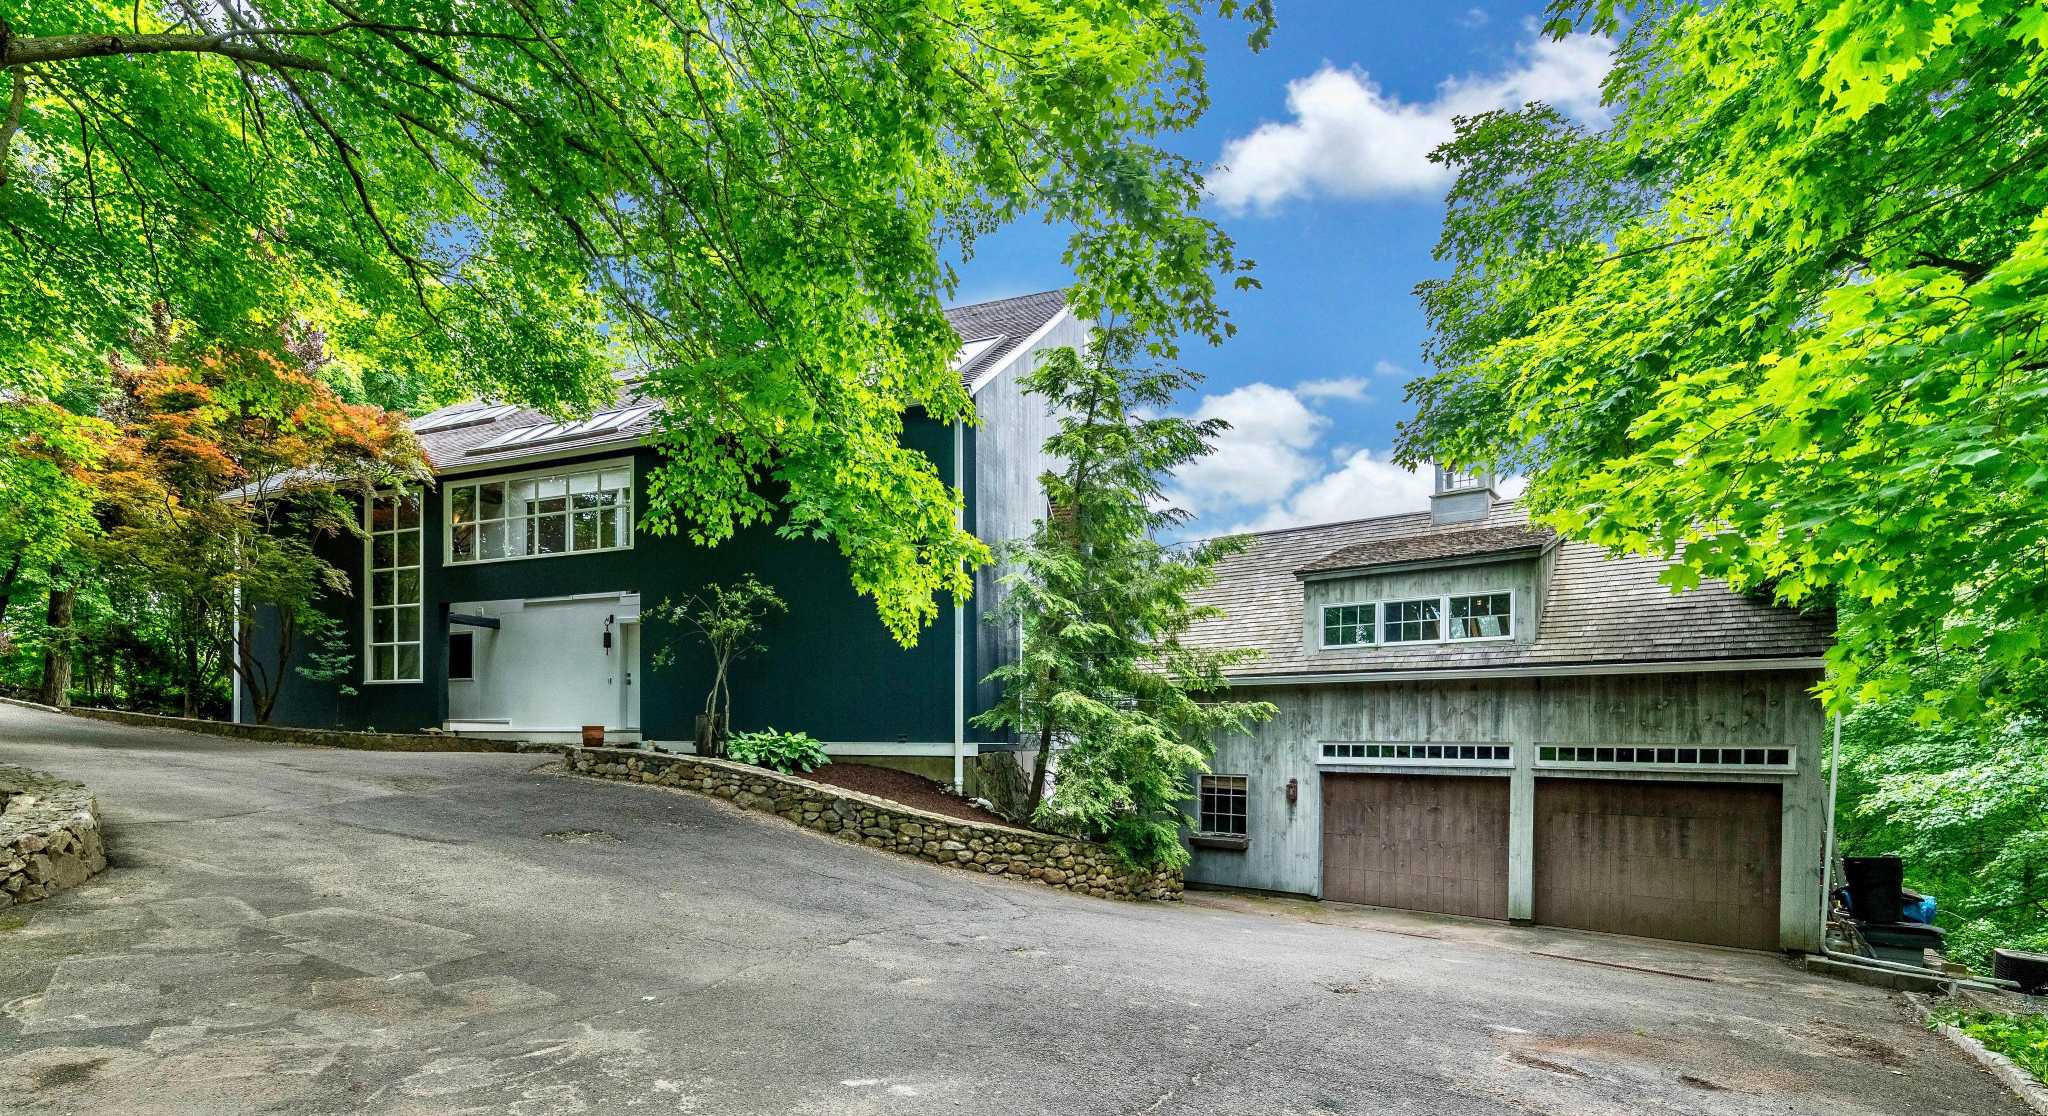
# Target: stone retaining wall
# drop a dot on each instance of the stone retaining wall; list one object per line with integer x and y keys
{"x": 880, "y": 824}
{"x": 49, "y": 835}
{"x": 281, "y": 734}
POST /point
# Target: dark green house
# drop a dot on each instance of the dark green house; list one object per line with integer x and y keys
{"x": 506, "y": 599}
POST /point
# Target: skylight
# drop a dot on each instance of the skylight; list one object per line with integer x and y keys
{"x": 604, "y": 422}
{"x": 456, "y": 420}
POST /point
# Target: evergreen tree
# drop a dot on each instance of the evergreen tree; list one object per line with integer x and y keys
{"x": 1116, "y": 702}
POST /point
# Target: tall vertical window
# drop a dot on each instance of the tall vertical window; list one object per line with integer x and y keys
{"x": 1222, "y": 804}
{"x": 393, "y": 643}
{"x": 1412, "y": 621}
{"x": 539, "y": 515}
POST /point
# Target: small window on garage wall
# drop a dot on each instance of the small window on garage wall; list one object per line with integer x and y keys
{"x": 1222, "y": 805}
{"x": 461, "y": 656}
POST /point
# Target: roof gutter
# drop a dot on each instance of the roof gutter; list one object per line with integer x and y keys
{"x": 1557, "y": 670}
{"x": 1487, "y": 558}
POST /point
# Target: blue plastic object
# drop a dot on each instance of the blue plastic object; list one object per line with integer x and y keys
{"x": 1919, "y": 910}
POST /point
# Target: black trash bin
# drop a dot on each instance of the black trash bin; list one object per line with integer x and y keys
{"x": 1875, "y": 883}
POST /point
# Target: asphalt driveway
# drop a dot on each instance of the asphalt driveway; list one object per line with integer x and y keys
{"x": 309, "y": 930}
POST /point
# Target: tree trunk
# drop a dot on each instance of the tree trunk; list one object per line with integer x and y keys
{"x": 7, "y": 589}
{"x": 57, "y": 649}
{"x": 1038, "y": 771}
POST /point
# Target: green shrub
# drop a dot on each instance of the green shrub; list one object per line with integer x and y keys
{"x": 790, "y": 752}
{"x": 2023, "y": 1038}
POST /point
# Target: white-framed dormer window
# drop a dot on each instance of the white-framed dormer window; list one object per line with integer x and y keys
{"x": 391, "y": 630}
{"x": 1348, "y": 625}
{"x": 1480, "y": 616}
{"x": 1412, "y": 621}
{"x": 541, "y": 514}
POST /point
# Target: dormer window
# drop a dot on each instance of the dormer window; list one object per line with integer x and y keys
{"x": 1418, "y": 621}
{"x": 1454, "y": 617}
{"x": 1347, "y": 625}
{"x": 1482, "y": 616}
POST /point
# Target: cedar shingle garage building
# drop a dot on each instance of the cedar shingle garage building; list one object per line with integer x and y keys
{"x": 1478, "y": 718}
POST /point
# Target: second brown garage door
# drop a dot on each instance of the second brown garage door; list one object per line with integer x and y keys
{"x": 1421, "y": 842}
{"x": 1695, "y": 862}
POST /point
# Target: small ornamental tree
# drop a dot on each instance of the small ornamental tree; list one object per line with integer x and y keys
{"x": 192, "y": 423}
{"x": 727, "y": 620}
{"x": 1103, "y": 684}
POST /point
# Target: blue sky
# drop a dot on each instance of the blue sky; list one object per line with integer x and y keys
{"x": 1316, "y": 150}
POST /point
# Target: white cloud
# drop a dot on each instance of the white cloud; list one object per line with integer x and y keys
{"x": 1348, "y": 138}
{"x": 1342, "y": 387}
{"x": 1267, "y": 452}
{"x": 1391, "y": 370}
{"x": 1474, "y": 17}
{"x": 1363, "y": 485}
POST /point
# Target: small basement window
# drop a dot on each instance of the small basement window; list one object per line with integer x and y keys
{"x": 1412, "y": 621}
{"x": 461, "y": 656}
{"x": 1347, "y": 625}
{"x": 1223, "y": 805}
{"x": 1482, "y": 616}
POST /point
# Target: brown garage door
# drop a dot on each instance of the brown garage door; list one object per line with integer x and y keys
{"x": 1697, "y": 862}
{"x": 1422, "y": 842}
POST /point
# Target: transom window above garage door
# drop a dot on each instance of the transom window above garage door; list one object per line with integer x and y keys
{"x": 1663, "y": 756}
{"x": 1461, "y": 755}
{"x": 542, "y": 514}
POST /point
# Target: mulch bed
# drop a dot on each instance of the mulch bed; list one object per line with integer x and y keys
{"x": 910, "y": 790}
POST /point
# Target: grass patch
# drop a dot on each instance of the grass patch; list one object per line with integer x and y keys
{"x": 2023, "y": 1038}
{"x": 13, "y": 920}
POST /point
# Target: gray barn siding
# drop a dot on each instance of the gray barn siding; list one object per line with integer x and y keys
{"x": 1008, "y": 458}
{"x": 1750, "y": 708}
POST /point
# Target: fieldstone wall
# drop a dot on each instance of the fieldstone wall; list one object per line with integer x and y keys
{"x": 49, "y": 835}
{"x": 879, "y": 824}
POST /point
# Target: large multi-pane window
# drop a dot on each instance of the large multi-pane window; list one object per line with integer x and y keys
{"x": 1482, "y": 616}
{"x": 1347, "y": 625}
{"x": 568, "y": 512}
{"x": 1412, "y": 621}
{"x": 393, "y": 647}
{"x": 1222, "y": 805}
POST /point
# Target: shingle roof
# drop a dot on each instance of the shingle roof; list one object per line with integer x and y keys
{"x": 1431, "y": 545}
{"x": 1013, "y": 320}
{"x": 1596, "y": 608}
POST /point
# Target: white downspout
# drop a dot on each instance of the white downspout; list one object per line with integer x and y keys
{"x": 960, "y": 622}
{"x": 1827, "y": 861}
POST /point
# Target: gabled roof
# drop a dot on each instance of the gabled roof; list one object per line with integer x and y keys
{"x": 1476, "y": 542}
{"x": 467, "y": 435}
{"x": 1596, "y": 609}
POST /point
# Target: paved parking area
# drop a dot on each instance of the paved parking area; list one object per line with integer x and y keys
{"x": 319, "y": 931}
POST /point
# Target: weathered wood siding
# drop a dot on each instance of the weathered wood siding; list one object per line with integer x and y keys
{"x": 1517, "y": 576}
{"x": 1008, "y": 458}
{"x": 1769, "y": 709}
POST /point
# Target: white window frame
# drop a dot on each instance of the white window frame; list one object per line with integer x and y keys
{"x": 1435, "y": 753}
{"x": 1443, "y": 605}
{"x": 370, "y": 606}
{"x": 1447, "y": 617}
{"x": 448, "y": 524}
{"x": 1636, "y": 763}
{"x": 1323, "y": 626}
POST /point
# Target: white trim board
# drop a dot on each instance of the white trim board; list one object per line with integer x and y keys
{"x": 897, "y": 748}
{"x": 1030, "y": 341}
{"x": 1561, "y": 670}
